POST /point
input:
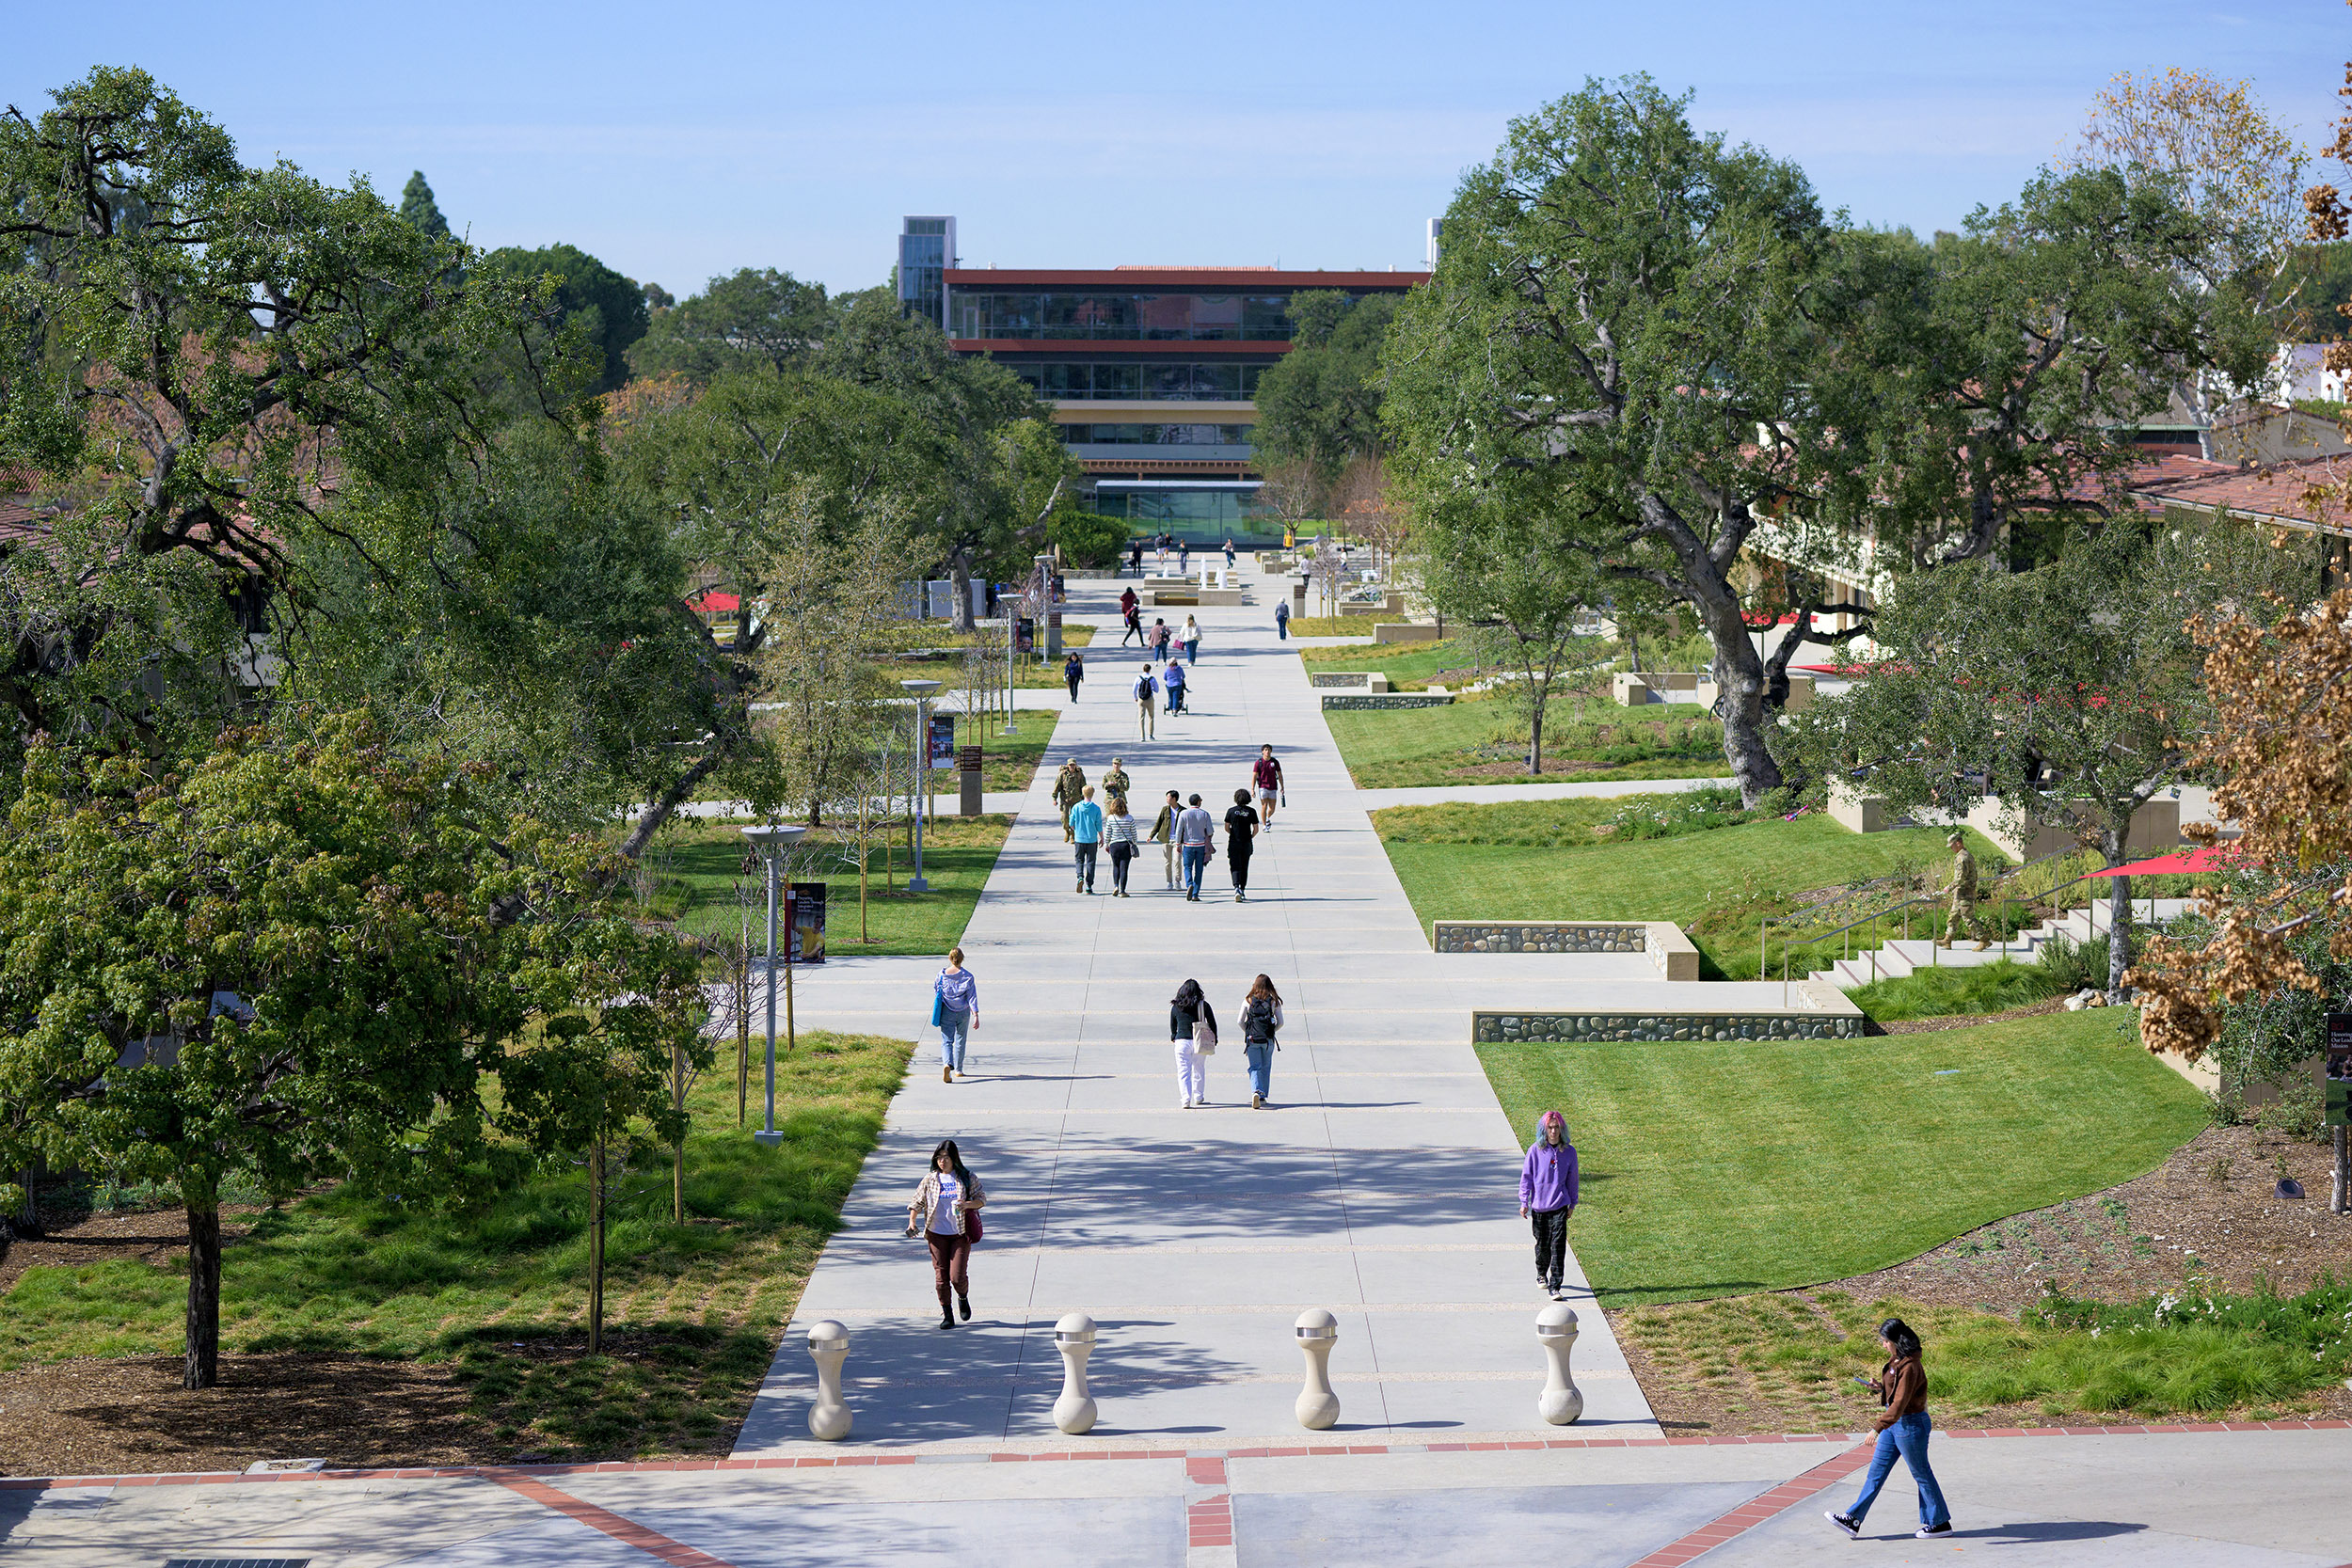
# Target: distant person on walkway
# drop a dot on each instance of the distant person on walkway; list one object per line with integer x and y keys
{"x": 1183, "y": 558}
{"x": 1174, "y": 680}
{"x": 1131, "y": 613}
{"x": 1086, "y": 822}
{"x": 1116, "y": 781}
{"x": 1186, "y": 1016}
{"x": 1961, "y": 907}
{"x": 1192, "y": 641}
{"x": 1241, "y": 829}
{"x": 1160, "y": 544}
{"x": 1261, "y": 1018}
{"x": 956, "y": 1008}
{"x": 1195, "y": 837}
{"x": 1164, "y": 832}
{"x": 946, "y": 1213}
{"x": 1146, "y": 694}
{"x": 1069, "y": 787}
{"x": 1265, "y": 776}
{"x": 1282, "y": 620}
{"x": 1902, "y": 1387}
{"x": 1228, "y": 552}
{"x": 1073, "y": 669}
{"x": 1119, "y": 832}
{"x": 1158, "y": 638}
{"x": 1135, "y": 557}
{"x": 1548, "y": 1198}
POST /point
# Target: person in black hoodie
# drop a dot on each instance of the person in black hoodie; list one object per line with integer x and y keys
{"x": 1186, "y": 1013}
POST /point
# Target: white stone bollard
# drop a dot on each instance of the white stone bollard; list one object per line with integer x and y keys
{"x": 1074, "y": 1338}
{"x": 1318, "y": 1407}
{"x": 1562, "y": 1402}
{"x": 828, "y": 1346}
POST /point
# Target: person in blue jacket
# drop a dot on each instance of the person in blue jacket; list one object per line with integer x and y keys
{"x": 1172, "y": 680}
{"x": 1548, "y": 1198}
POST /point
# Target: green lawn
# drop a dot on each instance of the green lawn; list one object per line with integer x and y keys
{"x": 1410, "y": 666}
{"x": 1724, "y": 1169}
{"x": 700, "y": 867}
{"x": 692, "y": 1310}
{"x": 1717, "y": 884}
{"x": 1481, "y": 742}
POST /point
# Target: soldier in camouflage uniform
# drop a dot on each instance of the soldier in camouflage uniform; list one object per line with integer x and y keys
{"x": 1961, "y": 907}
{"x": 1069, "y": 787}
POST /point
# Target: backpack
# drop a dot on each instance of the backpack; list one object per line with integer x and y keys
{"x": 1143, "y": 689}
{"x": 1257, "y": 1020}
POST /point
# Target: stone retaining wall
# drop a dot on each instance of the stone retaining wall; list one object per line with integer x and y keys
{"x": 1537, "y": 936}
{"x": 1332, "y": 699}
{"x": 1351, "y": 680}
{"x": 1576, "y": 1028}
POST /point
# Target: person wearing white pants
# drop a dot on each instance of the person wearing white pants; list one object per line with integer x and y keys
{"x": 1187, "y": 1013}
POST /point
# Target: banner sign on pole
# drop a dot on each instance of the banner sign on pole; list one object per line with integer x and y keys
{"x": 2338, "y": 1073}
{"x": 942, "y": 740}
{"x": 805, "y": 911}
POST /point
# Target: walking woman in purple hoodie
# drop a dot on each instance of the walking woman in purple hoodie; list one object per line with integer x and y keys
{"x": 1548, "y": 1198}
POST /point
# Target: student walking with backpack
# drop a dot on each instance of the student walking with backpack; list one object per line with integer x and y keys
{"x": 1260, "y": 1019}
{"x": 955, "y": 1013}
{"x": 946, "y": 1214}
{"x": 1146, "y": 692}
{"x": 1073, "y": 669}
{"x": 1085, "y": 823}
{"x": 1902, "y": 1387}
{"x": 1192, "y": 1029}
{"x": 1195, "y": 835}
{"x": 1265, "y": 776}
{"x": 1131, "y": 611}
{"x": 1119, "y": 832}
{"x": 1241, "y": 827}
{"x": 1547, "y": 1187}
{"x": 1164, "y": 833}
{"x": 1156, "y": 639}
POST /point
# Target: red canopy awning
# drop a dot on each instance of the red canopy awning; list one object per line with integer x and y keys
{"x": 2181, "y": 862}
{"x": 714, "y": 601}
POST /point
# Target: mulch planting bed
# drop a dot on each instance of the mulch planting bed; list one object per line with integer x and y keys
{"x": 2214, "y": 1201}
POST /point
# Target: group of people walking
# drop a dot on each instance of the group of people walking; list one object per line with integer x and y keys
{"x": 1192, "y": 1031}
{"x": 1185, "y": 828}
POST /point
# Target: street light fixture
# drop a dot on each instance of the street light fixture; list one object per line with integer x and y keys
{"x": 921, "y": 691}
{"x": 773, "y": 842}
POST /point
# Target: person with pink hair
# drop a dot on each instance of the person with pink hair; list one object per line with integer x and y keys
{"x": 1548, "y": 1198}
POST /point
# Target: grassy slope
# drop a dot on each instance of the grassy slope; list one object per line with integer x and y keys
{"x": 1745, "y": 1167}
{"x": 1412, "y": 747}
{"x": 1410, "y": 665}
{"x": 697, "y": 1305}
{"x": 1713, "y": 882}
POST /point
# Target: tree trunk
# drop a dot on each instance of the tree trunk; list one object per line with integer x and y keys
{"x": 1535, "y": 727}
{"x": 2119, "y": 930}
{"x": 1740, "y": 685}
{"x": 959, "y": 578}
{"x": 202, "y": 1198}
{"x": 595, "y": 1249}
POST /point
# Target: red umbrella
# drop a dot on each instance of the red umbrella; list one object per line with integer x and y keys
{"x": 2181, "y": 862}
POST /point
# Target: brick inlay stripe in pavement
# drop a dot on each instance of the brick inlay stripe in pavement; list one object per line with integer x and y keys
{"x": 627, "y": 1531}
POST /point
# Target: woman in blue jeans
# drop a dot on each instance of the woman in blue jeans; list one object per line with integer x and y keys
{"x": 1902, "y": 1387}
{"x": 956, "y": 1008}
{"x": 1261, "y": 1018}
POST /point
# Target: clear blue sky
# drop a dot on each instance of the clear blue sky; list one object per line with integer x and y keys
{"x": 681, "y": 140}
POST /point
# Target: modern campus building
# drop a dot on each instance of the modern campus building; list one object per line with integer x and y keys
{"x": 1152, "y": 371}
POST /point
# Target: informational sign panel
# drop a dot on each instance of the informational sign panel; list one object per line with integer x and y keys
{"x": 806, "y": 914}
{"x": 2337, "y": 1073}
{"x": 942, "y": 740}
{"x": 1024, "y": 634}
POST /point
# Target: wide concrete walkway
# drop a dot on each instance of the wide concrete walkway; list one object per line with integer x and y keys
{"x": 1381, "y": 1185}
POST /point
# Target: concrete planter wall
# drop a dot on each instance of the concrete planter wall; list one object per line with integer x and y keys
{"x": 1334, "y": 700}
{"x": 1349, "y": 680}
{"x": 1499, "y": 1028}
{"x": 1662, "y": 939}
{"x": 1404, "y": 631}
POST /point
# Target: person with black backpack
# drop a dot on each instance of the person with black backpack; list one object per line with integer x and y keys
{"x": 1260, "y": 1019}
{"x": 1145, "y": 689}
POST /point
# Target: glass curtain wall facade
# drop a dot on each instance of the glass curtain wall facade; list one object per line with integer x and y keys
{"x": 927, "y": 249}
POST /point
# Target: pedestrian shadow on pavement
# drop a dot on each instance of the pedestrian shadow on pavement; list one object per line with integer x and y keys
{"x": 2049, "y": 1531}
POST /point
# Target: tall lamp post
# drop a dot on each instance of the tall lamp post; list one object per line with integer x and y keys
{"x": 774, "y": 842}
{"x": 921, "y": 691}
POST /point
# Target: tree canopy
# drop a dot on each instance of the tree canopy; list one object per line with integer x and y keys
{"x": 759, "y": 317}
{"x": 1320, "y": 403}
{"x": 606, "y": 310}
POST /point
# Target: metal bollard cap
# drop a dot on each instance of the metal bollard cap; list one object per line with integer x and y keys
{"x": 825, "y": 1333}
{"x": 1075, "y": 1328}
{"x": 1316, "y": 1323}
{"x": 1555, "y": 1322}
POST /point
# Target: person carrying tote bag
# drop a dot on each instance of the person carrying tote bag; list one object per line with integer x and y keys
{"x": 1192, "y": 1029}
{"x": 946, "y": 1214}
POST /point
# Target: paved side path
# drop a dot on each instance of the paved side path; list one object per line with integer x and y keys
{"x": 1382, "y": 1187}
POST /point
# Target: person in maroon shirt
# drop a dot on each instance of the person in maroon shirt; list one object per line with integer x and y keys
{"x": 1266, "y": 774}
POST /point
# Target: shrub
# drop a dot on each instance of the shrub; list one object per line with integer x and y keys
{"x": 2072, "y": 965}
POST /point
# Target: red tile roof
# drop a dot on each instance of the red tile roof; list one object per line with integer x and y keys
{"x": 2308, "y": 493}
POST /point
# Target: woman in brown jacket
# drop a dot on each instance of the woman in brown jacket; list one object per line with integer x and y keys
{"x": 946, "y": 1214}
{"x": 1902, "y": 1387}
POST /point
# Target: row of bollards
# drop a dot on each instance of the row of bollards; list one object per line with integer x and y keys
{"x": 1561, "y": 1403}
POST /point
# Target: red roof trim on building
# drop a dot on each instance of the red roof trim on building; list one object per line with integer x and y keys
{"x": 2276, "y": 493}
{"x": 1215, "y": 280}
